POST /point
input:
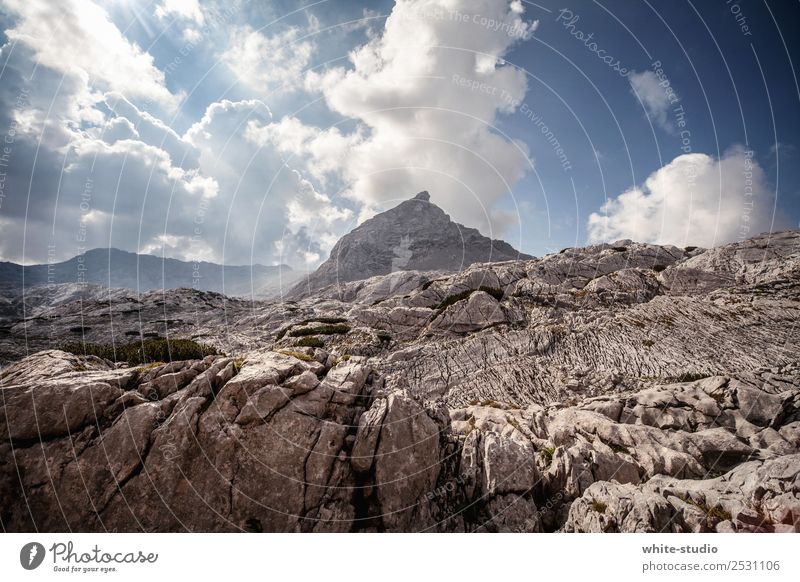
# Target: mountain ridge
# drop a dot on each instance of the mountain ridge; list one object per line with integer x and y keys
{"x": 415, "y": 235}
{"x": 117, "y": 268}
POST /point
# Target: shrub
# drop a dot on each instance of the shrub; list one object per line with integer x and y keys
{"x": 384, "y": 336}
{"x": 144, "y": 352}
{"x": 332, "y": 324}
{"x": 310, "y": 342}
{"x": 547, "y": 454}
{"x": 338, "y": 328}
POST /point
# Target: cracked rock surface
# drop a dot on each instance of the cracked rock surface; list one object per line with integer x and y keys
{"x": 619, "y": 387}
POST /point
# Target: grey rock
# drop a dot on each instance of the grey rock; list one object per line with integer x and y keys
{"x": 619, "y": 387}
{"x": 613, "y": 507}
{"x": 416, "y": 235}
{"x": 406, "y": 464}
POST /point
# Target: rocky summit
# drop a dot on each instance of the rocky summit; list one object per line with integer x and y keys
{"x": 621, "y": 387}
{"x": 416, "y": 235}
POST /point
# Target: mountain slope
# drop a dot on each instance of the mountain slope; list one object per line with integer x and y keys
{"x": 121, "y": 269}
{"x": 416, "y": 235}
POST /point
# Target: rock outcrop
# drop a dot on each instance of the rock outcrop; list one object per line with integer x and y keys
{"x": 416, "y": 235}
{"x": 620, "y": 387}
{"x": 264, "y": 443}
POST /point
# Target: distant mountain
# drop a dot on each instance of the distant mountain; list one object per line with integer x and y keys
{"x": 116, "y": 268}
{"x": 415, "y": 235}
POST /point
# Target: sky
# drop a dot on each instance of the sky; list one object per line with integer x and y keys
{"x": 261, "y": 132}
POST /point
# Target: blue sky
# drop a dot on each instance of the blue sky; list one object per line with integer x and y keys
{"x": 262, "y": 132}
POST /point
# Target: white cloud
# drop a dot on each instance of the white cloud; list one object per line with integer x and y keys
{"x": 320, "y": 153}
{"x": 189, "y": 13}
{"x": 655, "y": 95}
{"x": 266, "y": 207}
{"x": 237, "y": 176}
{"x": 153, "y": 131}
{"x": 424, "y": 126}
{"x": 116, "y": 129}
{"x": 268, "y": 63}
{"x": 695, "y": 199}
{"x": 185, "y": 9}
{"x": 76, "y": 37}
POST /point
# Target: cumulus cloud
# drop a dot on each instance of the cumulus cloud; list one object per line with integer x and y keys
{"x": 79, "y": 178}
{"x": 105, "y": 173}
{"x": 77, "y": 37}
{"x": 183, "y": 9}
{"x": 187, "y": 13}
{"x": 321, "y": 153}
{"x": 152, "y": 130}
{"x": 655, "y": 97}
{"x": 268, "y": 63}
{"x": 103, "y": 168}
{"x": 695, "y": 199}
{"x": 268, "y": 209}
{"x": 427, "y": 92}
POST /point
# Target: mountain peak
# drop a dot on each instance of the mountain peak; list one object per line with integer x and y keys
{"x": 408, "y": 237}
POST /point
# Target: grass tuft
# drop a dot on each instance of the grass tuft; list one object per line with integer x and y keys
{"x": 338, "y": 328}
{"x": 310, "y": 342}
{"x": 151, "y": 351}
{"x": 298, "y": 355}
{"x": 547, "y": 453}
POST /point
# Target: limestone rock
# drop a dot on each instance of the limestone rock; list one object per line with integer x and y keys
{"x": 612, "y": 507}
{"x": 618, "y": 387}
{"x": 415, "y": 235}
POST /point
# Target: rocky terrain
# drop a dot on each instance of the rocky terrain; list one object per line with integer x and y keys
{"x": 618, "y": 387}
{"x": 415, "y": 235}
